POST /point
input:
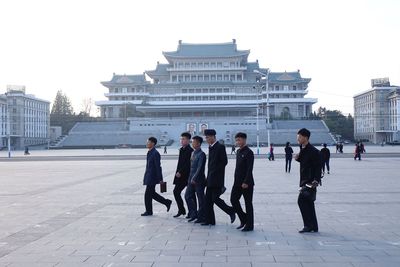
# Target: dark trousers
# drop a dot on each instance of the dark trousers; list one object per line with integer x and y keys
{"x": 288, "y": 164}
{"x": 190, "y": 196}
{"x": 151, "y": 194}
{"x": 248, "y": 217}
{"x": 213, "y": 197}
{"x": 307, "y": 208}
{"x": 325, "y": 162}
{"x": 178, "y": 198}
{"x": 357, "y": 155}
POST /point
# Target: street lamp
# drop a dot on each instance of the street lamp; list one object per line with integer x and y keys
{"x": 266, "y": 75}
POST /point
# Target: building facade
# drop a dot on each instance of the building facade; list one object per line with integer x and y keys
{"x": 206, "y": 81}
{"x": 376, "y": 113}
{"x": 28, "y": 118}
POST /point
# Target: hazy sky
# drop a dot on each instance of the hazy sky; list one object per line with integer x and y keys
{"x": 73, "y": 45}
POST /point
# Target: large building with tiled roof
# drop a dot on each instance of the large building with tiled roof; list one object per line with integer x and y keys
{"x": 206, "y": 85}
{"x": 206, "y": 80}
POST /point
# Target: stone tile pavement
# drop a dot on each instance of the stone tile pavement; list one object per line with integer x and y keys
{"x": 87, "y": 213}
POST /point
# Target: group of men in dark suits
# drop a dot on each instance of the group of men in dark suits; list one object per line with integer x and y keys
{"x": 190, "y": 174}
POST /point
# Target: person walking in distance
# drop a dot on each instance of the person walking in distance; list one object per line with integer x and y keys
{"x": 325, "y": 157}
{"x": 271, "y": 153}
{"x": 217, "y": 160}
{"x": 288, "y": 157}
{"x": 152, "y": 177}
{"x": 244, "y": 183}
{"x": 196, "y": 182}
{"x": 310, "y": 178}
{"x": 357, "y": 151}
{"x": 182, "y": 172}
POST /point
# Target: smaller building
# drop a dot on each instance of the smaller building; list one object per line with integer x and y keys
{"x": 376, "y": 113}
{"x": 3, "y": 121}
{"x": 28, "y": 118}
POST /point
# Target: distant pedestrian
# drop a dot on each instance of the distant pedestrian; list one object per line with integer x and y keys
{"x": 288, "y": 157}
{"x": 337, "y": 147}
{"x": 341, "y": 148}
{"x": 362, "y": 148}
{"x": 233, "y": 151}
{"x": 357, "y": 151}
{"x": 325, "y": 157}
{"x": 165, "y": 150}
{"x": 152, "y": 177}
{"x": 26, "y": 152}
{"x": 271, "y": 153}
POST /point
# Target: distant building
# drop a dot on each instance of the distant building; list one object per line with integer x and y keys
{"x": 202, "y": 86}
{"x": 376, "y": 112}
{"x": 3, "y": 120}
{"x": 27, "y": 116}
{"x": 205, "y": 80}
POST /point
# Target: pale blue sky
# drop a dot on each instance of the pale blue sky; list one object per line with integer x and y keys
{"x": 73, "y": 45}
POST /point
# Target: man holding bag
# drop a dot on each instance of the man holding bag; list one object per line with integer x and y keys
{"x": 152, "y": 177}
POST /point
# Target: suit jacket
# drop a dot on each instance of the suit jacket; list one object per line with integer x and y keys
{"x": 217, "y": 161}
{"x": 310, "y": 165}
{"x": 153, "y": 173}
{"x": 183, "y": 166}
{"x": 244, "y": 167}
{"x": 197, "y": 167}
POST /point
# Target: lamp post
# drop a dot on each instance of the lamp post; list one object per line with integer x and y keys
{"x": 266, "y": 75}
{"x": 8, "y": 127}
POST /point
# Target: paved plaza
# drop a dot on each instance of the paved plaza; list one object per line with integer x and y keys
{"x": 85, "y": 211}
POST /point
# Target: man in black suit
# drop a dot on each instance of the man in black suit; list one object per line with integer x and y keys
{"x": 217, "y": 160}
{"x": 152, "y": 177}
{"x": 182, "y": 171}
{"x": 310, "y": 178}
{"x": 244, "y": 183}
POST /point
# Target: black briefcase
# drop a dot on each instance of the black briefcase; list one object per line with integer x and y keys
{"x": 163, "y": 187}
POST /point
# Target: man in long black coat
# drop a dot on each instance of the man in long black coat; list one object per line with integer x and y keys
{"x": 244, "y": 183}
{"x": 152, "y": 177}
{"x": 182, "y": 171}
{"x": 310, "y": 178}
{"x": 217, "y": 160}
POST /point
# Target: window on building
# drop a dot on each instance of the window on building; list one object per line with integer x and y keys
{"x": 219, "y": 77}
{"x": 194, "y": 78}
{"x": 198, "y": 91}
{"x": 200, "y": 65}
{"x": 226, "y": 77}
{"x": 226, "y": 90}
{"x": 286, "y": 87}
{"x": 213, "y": 77}
{"x": 294, "y": 87}
{"x": 184, "y": 91}
{"x": 206, "y": 65}
{"x": 276, "y": 87}
{"x": 219, "y": 65}
{"x": 187, "y": 65}
{"x": 212, "y": 90}
{"x": 213, "y": 65}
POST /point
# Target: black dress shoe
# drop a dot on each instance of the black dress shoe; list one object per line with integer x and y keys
{"x": 241, "y": 226}
{"x": 247, "y": 229}
{"x": 192, "y": 219}
{"x": 198, "y": 221}
{"x": 169, "y": 204}
{"x": 187, "y": 217}
{"x": 179, "y": 214}
{"x": 233, "y": 217}
{"x": 146, "y": 214}
{"x": 308, "y": 230}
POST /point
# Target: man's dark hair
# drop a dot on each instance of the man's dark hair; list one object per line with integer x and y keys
{"x": 241, "y": 135}
{"x": 153, "y": 140}
{"x": 304, "y": 132}
{"x": 186, "y": 134}
{"x": 325, "y": 145}
{"x": 198, "y": 139}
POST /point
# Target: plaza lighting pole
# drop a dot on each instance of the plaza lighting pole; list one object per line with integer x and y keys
{"x": 266, "y": 75}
